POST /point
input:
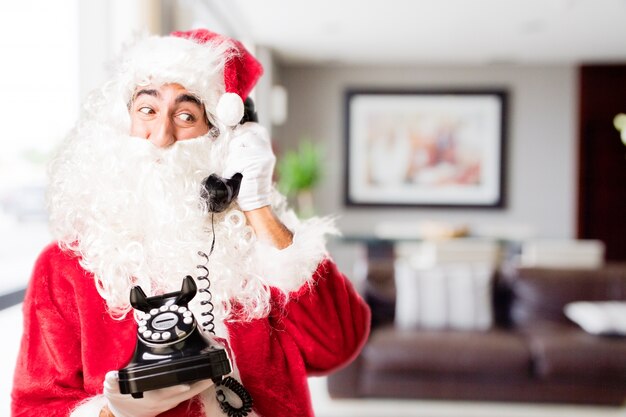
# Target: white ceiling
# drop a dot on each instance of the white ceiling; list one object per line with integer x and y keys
{"x": 430, "y": 31}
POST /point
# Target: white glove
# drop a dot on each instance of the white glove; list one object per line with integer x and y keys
{"x": 250, "y": 153}
{"x": 153, "y": 402}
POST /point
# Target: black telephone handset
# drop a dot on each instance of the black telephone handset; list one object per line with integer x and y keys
{"x": 249, "y": 112}
{"x": 219, "y": 192}
{"x": 170, "y": 349}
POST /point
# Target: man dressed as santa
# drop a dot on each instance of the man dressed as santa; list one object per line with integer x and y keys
{"x": 125, "y": 211}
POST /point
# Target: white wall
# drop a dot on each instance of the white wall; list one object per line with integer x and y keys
{"x": 541, "y": 141}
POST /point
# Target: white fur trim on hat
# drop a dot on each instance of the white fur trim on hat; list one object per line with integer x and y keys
{"x": 161, "y": 60}
{"x": 229, "y": 109}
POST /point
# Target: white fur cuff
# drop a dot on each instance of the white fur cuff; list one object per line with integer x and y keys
{"x": 90, "y": 407}
{"x": 288, "y": 269}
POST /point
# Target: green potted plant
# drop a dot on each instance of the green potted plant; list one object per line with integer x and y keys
{"x": 299, "y": 172}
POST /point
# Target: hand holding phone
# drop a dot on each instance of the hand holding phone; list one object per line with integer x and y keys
{"x": 250, "y": 153}
{"x": 153, "y": 402}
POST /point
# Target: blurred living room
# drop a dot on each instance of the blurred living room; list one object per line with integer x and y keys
{"x": 471, "y": 152}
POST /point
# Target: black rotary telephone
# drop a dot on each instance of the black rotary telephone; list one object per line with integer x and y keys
{"x": 219, "y": 192}
{"x": 170, "y": 349}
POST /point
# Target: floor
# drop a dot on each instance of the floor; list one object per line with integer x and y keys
{"x": 327, "y": 407}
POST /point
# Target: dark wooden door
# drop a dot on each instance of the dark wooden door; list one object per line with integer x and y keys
{"x": 602, "y": 158}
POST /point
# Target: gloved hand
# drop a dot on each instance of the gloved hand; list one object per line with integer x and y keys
{"x": 250, "y": 153}
{"x": 153, "y": 402}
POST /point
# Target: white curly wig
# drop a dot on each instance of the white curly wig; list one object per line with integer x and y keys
{"x": 131, "y": 211}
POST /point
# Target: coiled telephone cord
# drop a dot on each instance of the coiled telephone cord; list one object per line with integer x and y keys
{"x": 209, "y": 324}
{"x": 229, "y": 382}
{"x": 239, "y": 390}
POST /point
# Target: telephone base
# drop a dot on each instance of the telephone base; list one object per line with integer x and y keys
{"x": 210, "y": 363}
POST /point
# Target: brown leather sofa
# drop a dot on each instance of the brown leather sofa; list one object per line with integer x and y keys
{"x": 532, "y": 353}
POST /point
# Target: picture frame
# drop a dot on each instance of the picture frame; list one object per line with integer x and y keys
{"x": 436, "y": 148}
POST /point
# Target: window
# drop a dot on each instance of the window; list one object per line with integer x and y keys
{"x": 40, "y": 100}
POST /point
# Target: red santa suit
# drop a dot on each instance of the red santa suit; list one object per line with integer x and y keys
{"x": 70, "y": 342}
{"x": 315, "y": 322}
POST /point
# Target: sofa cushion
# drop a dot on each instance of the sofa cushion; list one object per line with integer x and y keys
{"x": 446, "y": 351}
{"x": 539, "y": 294}
{"x": 450, "y": 296}
{"x": 570, "y": 353}
{"x": 600, "y": 317}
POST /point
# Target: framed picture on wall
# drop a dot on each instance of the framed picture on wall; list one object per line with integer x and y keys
{"x": 425, "y": 148}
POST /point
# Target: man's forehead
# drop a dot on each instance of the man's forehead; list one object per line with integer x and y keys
{"x": 181, "y": 93}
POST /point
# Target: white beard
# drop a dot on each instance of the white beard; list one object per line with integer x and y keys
{"x": 132, "y": 212}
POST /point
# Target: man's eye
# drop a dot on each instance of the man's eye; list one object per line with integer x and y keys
{"x": 186, "y": 117}
{"x": 145, "y": 110}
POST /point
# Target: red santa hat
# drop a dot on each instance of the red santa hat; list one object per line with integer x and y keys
{"x": 241, "y": 72}
{"x": 218, "y": 69}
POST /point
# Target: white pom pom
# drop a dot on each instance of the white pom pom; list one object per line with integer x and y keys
{"x": 229, "y": 109}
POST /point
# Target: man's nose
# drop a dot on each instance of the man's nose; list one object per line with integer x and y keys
{"x": 162, "y": 133}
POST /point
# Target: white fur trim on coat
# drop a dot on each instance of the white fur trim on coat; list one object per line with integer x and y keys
{"x": 290, "y": 268}
{"x": 91, "y": 407}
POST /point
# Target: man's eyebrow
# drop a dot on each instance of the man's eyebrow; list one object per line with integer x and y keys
{"x": 149, "y": 92}
{"x": 189, "y": 98}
